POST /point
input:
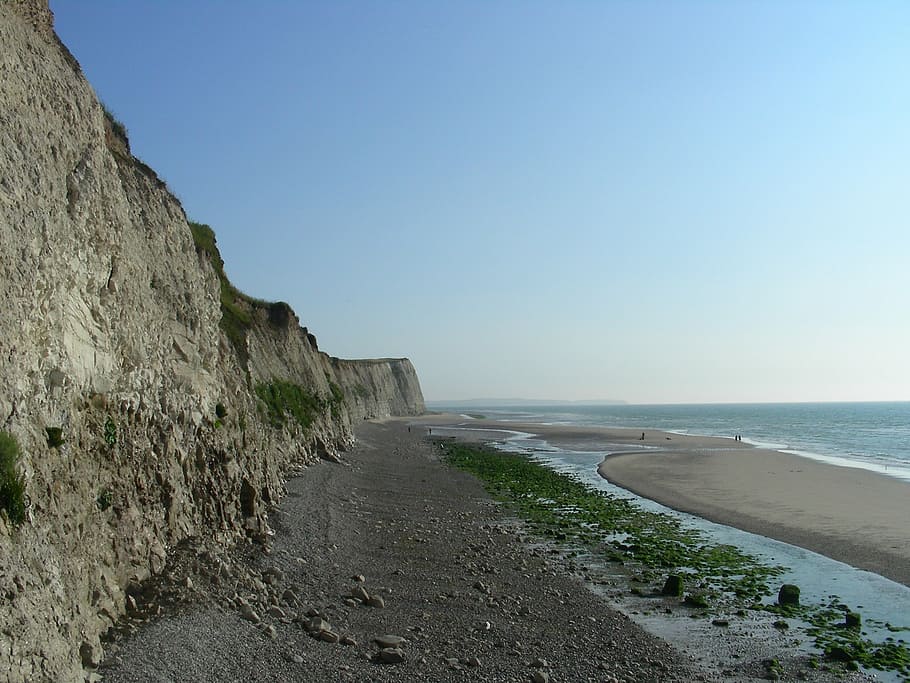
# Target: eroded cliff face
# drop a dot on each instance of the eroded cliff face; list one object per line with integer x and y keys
{"x": 112, "y": 330}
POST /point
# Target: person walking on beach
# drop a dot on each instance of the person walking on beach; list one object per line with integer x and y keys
{"x": 642, "y": 438}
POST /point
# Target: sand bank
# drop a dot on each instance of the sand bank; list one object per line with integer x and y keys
{"x": 851, "y": 515}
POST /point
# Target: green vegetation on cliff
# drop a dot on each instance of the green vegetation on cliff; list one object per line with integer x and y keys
{"x": 236, "y": 307}
{"x": 12, "y": 486}
{"x": 285, "y": 400}
{"x": 235, "y": 316}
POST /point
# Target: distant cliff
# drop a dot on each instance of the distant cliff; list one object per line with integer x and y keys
{"x": 150, "y": 400}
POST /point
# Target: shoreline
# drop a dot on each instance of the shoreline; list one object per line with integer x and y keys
{"x": 848, "y": 514}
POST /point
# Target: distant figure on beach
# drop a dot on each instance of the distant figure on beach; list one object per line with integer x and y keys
{"x": 642, "y": 437}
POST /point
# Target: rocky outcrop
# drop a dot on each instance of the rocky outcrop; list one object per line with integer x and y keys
{"x": 179, "y": 402}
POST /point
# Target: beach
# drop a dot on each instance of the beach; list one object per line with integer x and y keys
{"x": 851, "y": 515}
{"x": 848, "y": 514}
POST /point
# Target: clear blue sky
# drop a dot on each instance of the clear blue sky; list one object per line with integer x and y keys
{"x": 649, "y": 201}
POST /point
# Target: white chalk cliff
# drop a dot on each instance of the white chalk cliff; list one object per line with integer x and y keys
{"x": 118, "y": 328}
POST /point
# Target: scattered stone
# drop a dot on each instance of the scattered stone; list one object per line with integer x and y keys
{"x": 696, "y": 600}
{"x": 329, "y": 637}
{"x": 360, "y": 593}
{"x": 348, "y": 640}
{"x": 317, "y": 625}
{"x": 359, "y": 578}
{"x": 539, "y": 663}
{"x": 452, "y": 663}
{"x": 276, "y": 612}
{"x": 391, "y": 655}
{"x": 720, "y": 622}
{"x": 540, "y": 677}
{"x": 473, "y": 662}
{"x": 376, "y": 601}
{"x": 853, "y": 620}
{"x": 91, "y": 654}
{"x": 270, "y": 632}
{"x": 389, "y": 641}
{"x": 290, "y": 597}
{"x": 248, "y": 613}
{"x": 295, "y": 659}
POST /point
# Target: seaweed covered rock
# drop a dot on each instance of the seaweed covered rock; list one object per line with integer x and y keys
{"x": 673, "y": 585}
{"x": 788, "y": 595}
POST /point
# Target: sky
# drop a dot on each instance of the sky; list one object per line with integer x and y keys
{"x": 656, "y": 202}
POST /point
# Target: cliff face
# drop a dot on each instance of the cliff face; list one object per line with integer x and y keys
{"x": 176, "y": 418}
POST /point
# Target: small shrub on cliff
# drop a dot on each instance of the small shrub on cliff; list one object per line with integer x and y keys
{"x": 104, "y": 500}
{"x": 110, "y": 432}
{"x": 12, "y": 486}
{"x": 116, "y": 124}
{"x": 54, "y": 437}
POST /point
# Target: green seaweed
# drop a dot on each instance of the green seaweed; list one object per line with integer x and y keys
{"x": 571, "y": 513}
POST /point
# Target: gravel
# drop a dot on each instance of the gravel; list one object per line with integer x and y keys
{"x": 388, "y": 567}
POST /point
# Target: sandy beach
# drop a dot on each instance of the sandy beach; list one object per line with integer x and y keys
{"x": 851, "y": 515}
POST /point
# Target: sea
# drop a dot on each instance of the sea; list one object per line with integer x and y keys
{"x": 872, "y": 436}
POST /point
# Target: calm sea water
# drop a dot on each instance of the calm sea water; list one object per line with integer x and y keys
{"x": 873, "y": 436}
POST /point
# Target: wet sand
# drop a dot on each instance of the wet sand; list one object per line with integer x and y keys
{"x": 851, "y": 515}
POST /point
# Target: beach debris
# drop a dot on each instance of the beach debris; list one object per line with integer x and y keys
{"x": 788, "y": 595}
{"x": 389, "y": 641}
{"x": 317, "y": 625}
{"x": 391, "y": 655}
{"x": 673, "y": 585}
{"x": 247, "y": 611}
{"x": 329, "y": 637}
{"x": 358, "y": 592}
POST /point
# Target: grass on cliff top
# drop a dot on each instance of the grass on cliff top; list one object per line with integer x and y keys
{"x": 576, "y": 515}
{"x": 12, "y": 485}
{"x": 236, "y": 307}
